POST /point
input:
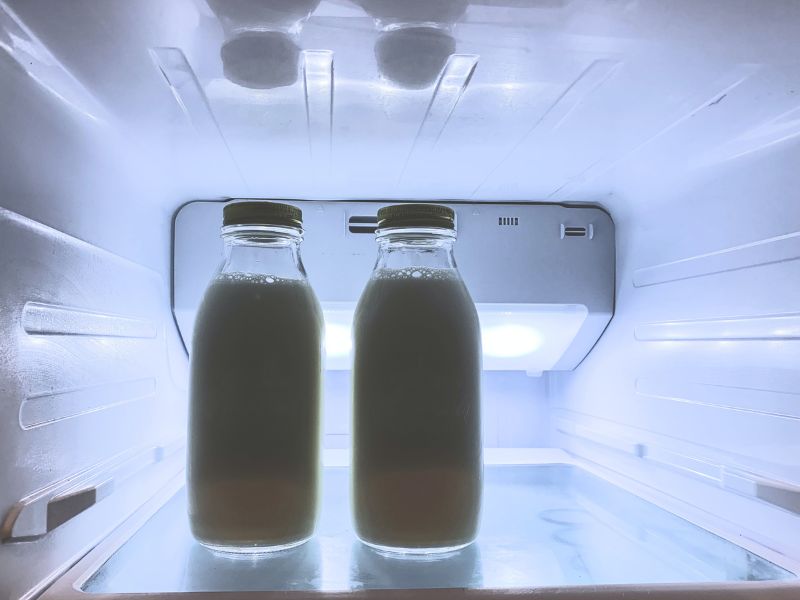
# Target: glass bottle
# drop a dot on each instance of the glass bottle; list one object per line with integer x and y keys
{"x": 255, "y": 386}
{"x": 417, "y": 460}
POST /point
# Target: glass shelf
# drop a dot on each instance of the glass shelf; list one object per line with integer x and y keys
{"x": 544, "y": 525}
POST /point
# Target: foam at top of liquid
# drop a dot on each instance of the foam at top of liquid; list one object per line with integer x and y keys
{"x": 416, "y": 273}
{"x": 257, "y": 278}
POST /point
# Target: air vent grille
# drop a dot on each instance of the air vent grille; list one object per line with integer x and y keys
{"x": 576, "y": 231}
{"x": 503, "y": 221}
{"x": 362, "y": 224}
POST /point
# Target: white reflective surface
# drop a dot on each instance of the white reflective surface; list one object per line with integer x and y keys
{"x": 551, "y": 525}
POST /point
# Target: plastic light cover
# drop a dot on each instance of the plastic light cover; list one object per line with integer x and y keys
{"x": 515, "y": 337}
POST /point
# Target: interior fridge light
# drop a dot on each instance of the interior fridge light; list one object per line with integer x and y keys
{"x": 528, "y": 337}
{"x": 515, "y": 337}
{"x": 338, "y": 340}
{"x": 508, "y": 341}
{"x": 338, "y": 335}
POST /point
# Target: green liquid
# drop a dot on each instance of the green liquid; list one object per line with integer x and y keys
{"x": 255, "y": 413}
{"x": 417, "y": 467}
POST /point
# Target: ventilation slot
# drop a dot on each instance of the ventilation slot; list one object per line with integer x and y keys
{"x": 508, "y": 220}
{"x": 362, "y": 224}
{"x": 571, "y": 231}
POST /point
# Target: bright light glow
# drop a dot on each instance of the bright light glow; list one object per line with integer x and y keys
{"x": 508, "y": 341}
{"x": 338, "y": 335}
{"x": 338, "y": 341}
{"x": 515, "y": 337}
{"x": 528, "y": 337}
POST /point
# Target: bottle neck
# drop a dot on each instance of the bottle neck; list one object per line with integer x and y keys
{"x": 263, "y": 250}
{"x": 415, "y": 247}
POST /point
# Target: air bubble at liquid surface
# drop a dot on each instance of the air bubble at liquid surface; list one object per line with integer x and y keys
{"x": 419, "y": 274}
{"x": 238, "y": 277}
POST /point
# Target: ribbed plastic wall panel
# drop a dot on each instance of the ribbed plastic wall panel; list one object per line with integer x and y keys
{"x": 91, "y": 418}
{"x": 694, "y": 388}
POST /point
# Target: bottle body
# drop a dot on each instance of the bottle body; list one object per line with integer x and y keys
{"x": 255, "y": 388}
{"x": 417, "y": 463}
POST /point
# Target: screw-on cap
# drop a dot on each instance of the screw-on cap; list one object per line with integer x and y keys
{"x": 262, "y": 213}
{"x": 416, "y": 215}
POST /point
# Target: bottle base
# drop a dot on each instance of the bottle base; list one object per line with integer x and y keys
{"x": 398, "y": 551}
{"x": 253, "y": 551}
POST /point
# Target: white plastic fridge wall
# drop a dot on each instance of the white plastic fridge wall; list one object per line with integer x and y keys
{"x": 681, "y": 118}
{"x": 694, "y": 388}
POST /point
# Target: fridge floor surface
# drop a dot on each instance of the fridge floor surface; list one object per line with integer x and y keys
{"x": 542, "y": 526}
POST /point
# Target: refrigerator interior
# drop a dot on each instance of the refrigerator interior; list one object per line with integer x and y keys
{"x": 665, "y": 460}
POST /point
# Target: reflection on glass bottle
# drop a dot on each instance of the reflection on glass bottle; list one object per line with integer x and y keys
{"x": 260, "y": 60}
{"x": 413, "y": 57}
{"x": 261, "y": 49}
{"x": 388, "y": 12}
{"x": 293, "y": 569}
{"x": 416, "y": 38}
{"x": 254, "y": 15}
{"x": 372, "y": 569}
